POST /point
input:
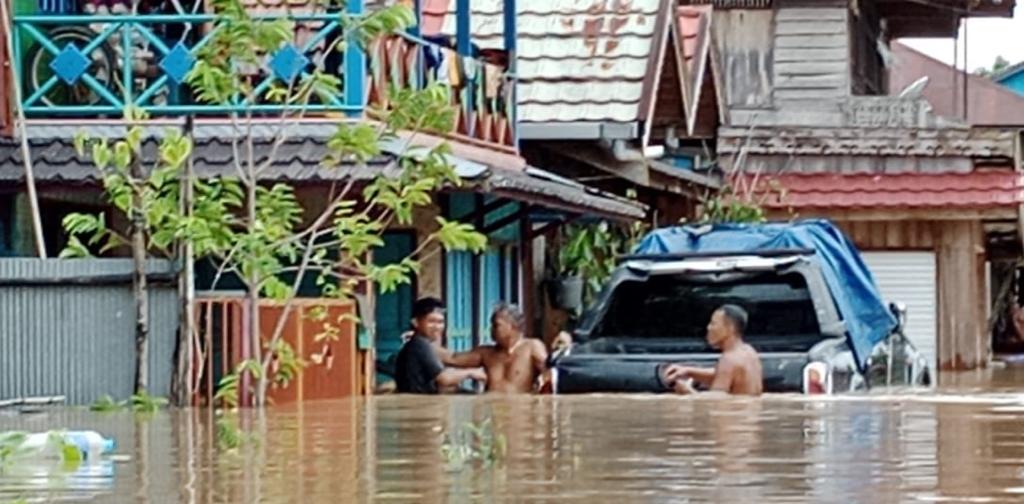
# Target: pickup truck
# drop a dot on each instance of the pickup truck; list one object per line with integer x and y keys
{"x": 655, "y": 309}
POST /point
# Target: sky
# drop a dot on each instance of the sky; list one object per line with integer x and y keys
{"x": 986, "y": 39}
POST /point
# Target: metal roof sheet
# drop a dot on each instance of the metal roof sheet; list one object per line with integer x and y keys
{"x": 301, "y": 160}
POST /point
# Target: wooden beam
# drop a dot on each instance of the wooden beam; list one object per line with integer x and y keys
{"x": 523, "y": 211}
{"x": 550, "y": 227}
{"x": 481, "y": 213}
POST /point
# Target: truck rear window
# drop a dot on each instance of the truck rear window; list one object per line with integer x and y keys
{"x": 678, "y": 307}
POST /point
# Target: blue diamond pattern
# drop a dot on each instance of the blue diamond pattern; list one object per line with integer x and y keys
{"x": 178, "y": 63}
{"x": 70, "y": 64}
{"x": 288, "y": 62}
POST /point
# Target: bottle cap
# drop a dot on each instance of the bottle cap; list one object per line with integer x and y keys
{"x": 109, "y": 445}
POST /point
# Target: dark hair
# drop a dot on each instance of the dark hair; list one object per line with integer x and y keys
{"x": 509, "y": 312}
{"x": 425, "y": 306}
{"x": 736, "y": 315}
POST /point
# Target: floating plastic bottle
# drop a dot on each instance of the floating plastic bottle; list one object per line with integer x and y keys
{"x": 90, "y": 443}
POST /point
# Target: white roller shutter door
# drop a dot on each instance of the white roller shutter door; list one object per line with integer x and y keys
{"x": 909, "y": 277}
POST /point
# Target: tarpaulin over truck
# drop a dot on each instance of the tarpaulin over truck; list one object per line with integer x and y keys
{"x": 867, "y": 317}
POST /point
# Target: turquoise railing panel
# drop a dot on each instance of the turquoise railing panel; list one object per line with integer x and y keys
{"x": 459, "y": 300}
{"x": 96, "y": 65}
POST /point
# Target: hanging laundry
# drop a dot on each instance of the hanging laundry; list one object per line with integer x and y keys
{"x": 493, "y": 77}
{"x": 456, "y": 74}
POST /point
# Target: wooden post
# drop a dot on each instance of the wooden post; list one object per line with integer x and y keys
{"x": 511, "y": 36}
{"x": 26, "y": 154}
{"x": 963, "y": 340}
{"x": 464, "y": 46}
{"x": 526, "y": 270}
{"x": 355, "y": 65}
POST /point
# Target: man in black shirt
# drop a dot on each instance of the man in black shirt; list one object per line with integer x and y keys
{"x": 418, "y": 369}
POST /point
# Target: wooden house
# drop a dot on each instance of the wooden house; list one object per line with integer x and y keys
{"x": 503, "y": 196}
{"x": 808, "y": 107}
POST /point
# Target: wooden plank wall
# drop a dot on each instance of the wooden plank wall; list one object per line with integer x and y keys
{"x": 787, "y": 67}
{"x": 964, "y": 341}
{"x": 892, "y": 235}
{"x": 811, "y": 58}
{"x": 744, "y": 43}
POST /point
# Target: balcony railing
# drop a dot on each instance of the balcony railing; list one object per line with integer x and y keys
{"x": 483, "y": 92}
{"x": 90, "y": 66}
{"x": 96, "y": 65}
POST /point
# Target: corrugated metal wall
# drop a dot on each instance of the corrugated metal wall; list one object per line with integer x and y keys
{"x": 67, "y": 328}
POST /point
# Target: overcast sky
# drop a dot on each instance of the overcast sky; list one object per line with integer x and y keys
{"x": 986, "y": 39}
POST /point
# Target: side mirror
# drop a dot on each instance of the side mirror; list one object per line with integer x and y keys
{"x": 899, "y": 310}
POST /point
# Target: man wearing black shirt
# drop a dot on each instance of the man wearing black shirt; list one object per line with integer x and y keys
{"x": 418, "y": 369}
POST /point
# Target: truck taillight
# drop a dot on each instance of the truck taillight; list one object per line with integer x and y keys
{"x": 817, "y": 379}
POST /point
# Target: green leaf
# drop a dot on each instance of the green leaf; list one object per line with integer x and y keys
{"x": 101, "y": 154}
{"x": 107, "y": 404}
{"x": 459, "y": 236}
{"x": 75, "y": 249}
{"x": 80, "y": 140}
{"x": 122, "y": 155}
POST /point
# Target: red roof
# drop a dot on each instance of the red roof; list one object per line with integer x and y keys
{"x": 979, "y": 189}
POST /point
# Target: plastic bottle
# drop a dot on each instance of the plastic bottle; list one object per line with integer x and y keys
{"x": 90, "y": 443}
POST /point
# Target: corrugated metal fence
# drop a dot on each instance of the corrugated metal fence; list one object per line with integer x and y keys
{"x": 67, "y": 328}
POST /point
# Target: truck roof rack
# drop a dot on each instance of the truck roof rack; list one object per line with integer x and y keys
{"x": 732, "y": 253}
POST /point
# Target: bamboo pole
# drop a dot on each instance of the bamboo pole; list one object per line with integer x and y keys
{"x": 26, "y": 155}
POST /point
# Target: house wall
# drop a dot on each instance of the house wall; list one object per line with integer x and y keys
{"x": 788, "y": 66}
{"x": 1015, "y": 83}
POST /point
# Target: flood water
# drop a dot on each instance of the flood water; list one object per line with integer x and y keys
{"x": 963, "y": 442}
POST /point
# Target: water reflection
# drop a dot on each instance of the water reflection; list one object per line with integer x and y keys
{"x": 601, "y": 448}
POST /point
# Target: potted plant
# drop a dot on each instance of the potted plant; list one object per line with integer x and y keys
{"x": 579, "y": 262}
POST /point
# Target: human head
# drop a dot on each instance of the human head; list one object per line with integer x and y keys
{"x": 728, "y": 321}
{"x": 561, "y": 341}
{"x": 428, "y": 318}
{"x": 507, "y": 324}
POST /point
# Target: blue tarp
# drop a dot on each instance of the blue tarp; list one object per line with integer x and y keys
{"x": 867, "y": 317}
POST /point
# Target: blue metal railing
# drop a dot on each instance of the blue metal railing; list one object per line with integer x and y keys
{"x": 94, "y": 65}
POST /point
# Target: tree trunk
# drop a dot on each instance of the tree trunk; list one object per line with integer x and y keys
{"x": 255, "y": 345}
{"x": 183, "y": 373}
{"x": 139, "y": 289}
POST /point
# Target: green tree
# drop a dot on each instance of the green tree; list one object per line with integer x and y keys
{"x": 258, "y": 230}
{"x": 998, "y": 65}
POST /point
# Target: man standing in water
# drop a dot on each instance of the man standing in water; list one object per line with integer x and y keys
{"x": 514, "y": 362}
{"x": 738, "y": 370}
{"x": 418, "y": 368}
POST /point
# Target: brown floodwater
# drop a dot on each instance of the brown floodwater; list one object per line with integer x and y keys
{"x": 963, "y": 442}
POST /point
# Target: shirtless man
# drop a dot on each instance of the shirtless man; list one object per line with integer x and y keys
{"x": 739, "y": 369}
{"x": 514, "y": 362}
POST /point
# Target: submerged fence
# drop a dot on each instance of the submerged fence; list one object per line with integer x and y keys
{"x": 67, "y": 327}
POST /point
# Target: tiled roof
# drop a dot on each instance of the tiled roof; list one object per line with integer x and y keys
{"x": 301, "y": 159}
{"x": 578, "y": 60}
{"x": 55, "y": 160}
{"x": 983, "y": 188}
